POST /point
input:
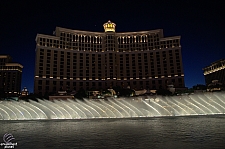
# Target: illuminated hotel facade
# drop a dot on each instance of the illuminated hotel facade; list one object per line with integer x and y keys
{"x": 216, "y": 71}
{"x": 10, "y": 76}
{"x": 73, "y": 59}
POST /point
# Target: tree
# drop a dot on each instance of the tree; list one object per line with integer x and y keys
{"x": 117, "y": 89}
{"x": 2, "y": 93}
{"x": 126, "y": 92}
{"x": 31, "y": 96}
{"x": 199, "y": 87}
{"x": 81, "y": 94}
{"x": 163, "y": 92}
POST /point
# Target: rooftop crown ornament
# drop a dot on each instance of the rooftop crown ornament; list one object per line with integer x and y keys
{"x": 109, "y": 26}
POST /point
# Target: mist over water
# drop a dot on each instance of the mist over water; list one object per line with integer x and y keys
{"x": 143, "y": 106}
{"x": 163, "y": 132}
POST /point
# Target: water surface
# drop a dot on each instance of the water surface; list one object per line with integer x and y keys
{"x": 164, "y": 132}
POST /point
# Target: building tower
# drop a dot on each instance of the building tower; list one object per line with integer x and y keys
{"x": 215, "y": 71}
{"x": 10, "y": 76}
{"x": 74, "y": 59}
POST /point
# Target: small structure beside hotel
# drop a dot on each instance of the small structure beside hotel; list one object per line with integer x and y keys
{"x": 62, "y": 95}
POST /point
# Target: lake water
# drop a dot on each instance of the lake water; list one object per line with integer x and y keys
{"x": 165, "y": 132}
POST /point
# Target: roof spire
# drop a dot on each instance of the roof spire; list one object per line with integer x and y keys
{"x": 109, "y": 26}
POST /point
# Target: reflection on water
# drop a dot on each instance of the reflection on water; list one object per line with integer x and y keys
{"x": 173, "y": 132}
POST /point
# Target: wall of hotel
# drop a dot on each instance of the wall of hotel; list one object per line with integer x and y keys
{"x": 11, "y": 82}
{"x": 96, "y": 60}
{"x": 216, "y": 71}
{"x": 217, "y": 75}
{"x": 145, "y": 58}
{"x": 10, "y": 76}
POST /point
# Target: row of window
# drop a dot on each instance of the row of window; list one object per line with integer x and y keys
{"x": 158, "y": 55}
{"x": 72, "y": 85}
{"x": 97, "y": 60}
{"x": 120, "y": 39}
{"x": 94, "y": 47}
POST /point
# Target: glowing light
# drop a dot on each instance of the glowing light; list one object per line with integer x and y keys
{"x": 109, "y": 26}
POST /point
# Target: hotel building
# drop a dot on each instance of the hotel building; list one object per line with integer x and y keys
{"x": 74, "y": 59}
{"x": 216, "y": 71}
{"x": 10, "y": 76}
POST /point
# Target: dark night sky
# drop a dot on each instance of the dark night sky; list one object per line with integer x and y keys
{"x": 200, "y": 24}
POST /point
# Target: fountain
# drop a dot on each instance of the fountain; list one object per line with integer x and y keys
{"x": 142, "y": 106}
